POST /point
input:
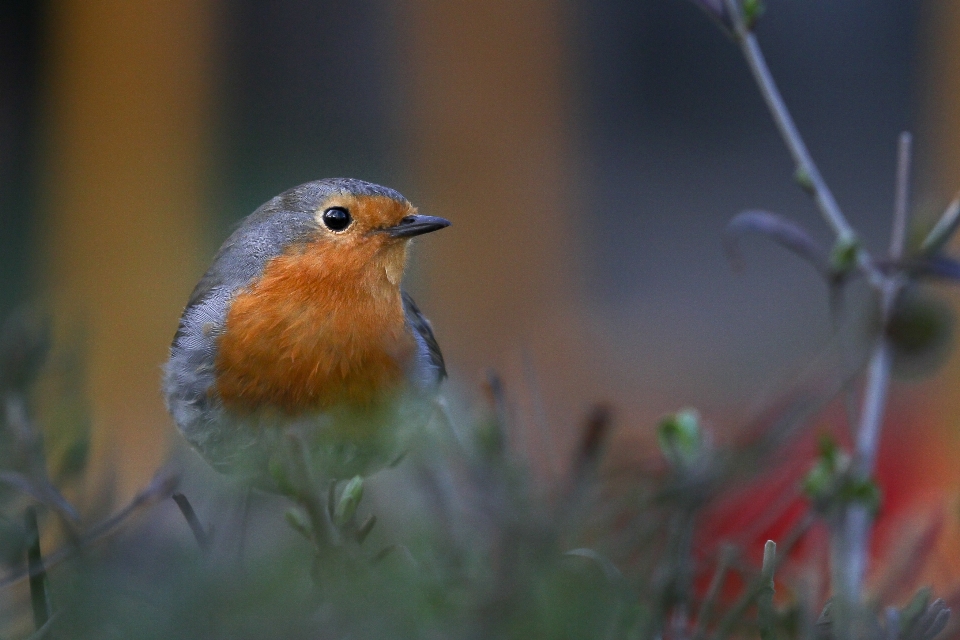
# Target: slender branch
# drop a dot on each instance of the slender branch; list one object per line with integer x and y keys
{"x": 853, "y": 526}
{"x": 901, "y": 198}
{"x": 201, "y": 536}
{"x": 784, "y": 121}
{"x": 754, "y": 589}
{"x": 159, "y": 489}
{"x": 872, "y": 409}
{"x": 727, "y": 554}
{"x": 38, "y": 574}
{"x": 41, "y": 491}
{"x": 853, "y": 538}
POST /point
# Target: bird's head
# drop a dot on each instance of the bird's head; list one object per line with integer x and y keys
{"x": 360, "y": 224}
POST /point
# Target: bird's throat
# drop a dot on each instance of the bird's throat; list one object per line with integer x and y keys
{"x": 315, "y": 331}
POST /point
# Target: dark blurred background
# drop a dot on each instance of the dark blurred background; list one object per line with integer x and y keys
{"x": 589, "y": 155}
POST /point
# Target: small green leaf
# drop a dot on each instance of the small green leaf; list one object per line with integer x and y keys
{"x": 866, "y": 492}
{"x": 827, "y": 475}
{"x": 349, "y": 500}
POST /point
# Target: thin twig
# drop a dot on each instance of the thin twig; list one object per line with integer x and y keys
{"x": 159, "y": 489}
{"x": 853, "y": 538}
{"x": 203, "y": 540}
{"x": 784, "y": 121}
{"x": 736, "y": 612}
{"x": 43, "y": 492}
{"x": 727, "y": 555}
{"x": 943, "y": 230}
{"x": 872, "y": 409}
{"x": 853, "y": 529}
{"x": 901, "y": 197}
{"x": 39, "y": 601}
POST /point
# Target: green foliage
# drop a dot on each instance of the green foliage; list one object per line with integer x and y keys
{"x": 830, "y": 483}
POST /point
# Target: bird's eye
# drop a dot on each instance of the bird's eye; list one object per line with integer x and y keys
{"x": 337, "y": 218}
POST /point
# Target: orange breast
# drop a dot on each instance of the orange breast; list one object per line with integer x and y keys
{"x": 322, "y": 327}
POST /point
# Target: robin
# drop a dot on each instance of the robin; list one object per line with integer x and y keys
{"x": 300, "y": 331}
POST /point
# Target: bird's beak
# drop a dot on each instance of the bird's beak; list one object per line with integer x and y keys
{"x": 416, "y": 225}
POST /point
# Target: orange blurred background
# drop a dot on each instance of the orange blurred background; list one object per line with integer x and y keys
{"x": 588, "y": 157}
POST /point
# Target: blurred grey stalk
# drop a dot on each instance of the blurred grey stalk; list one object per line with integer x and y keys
{"x": 852, "y": 526}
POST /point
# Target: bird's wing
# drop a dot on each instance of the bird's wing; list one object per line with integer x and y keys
{"x": 424, "y": 333}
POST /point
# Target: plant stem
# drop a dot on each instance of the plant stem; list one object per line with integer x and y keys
{"x": 853, "y": 538}
{"x": 765, "y": 598}
{"x": 38, "y": 575}
{"x": 852, "y": 529}
{"x": 901, "y": 197}
{"x": 850, "y": 539}
{"x": 784, "y": 121}
{"x": 713, "y": 591}
{"x": 159, "y": 489}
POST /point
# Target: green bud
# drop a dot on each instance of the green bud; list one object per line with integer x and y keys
{"x": 830, "y": 451}
{"x": 826, "y": 476}
{"x": 843, "y": 255}
{"x": 349, "y": 500}
{"x": 920, "y": 331}
{"x": 866, "y": 492}
{"x": 829, "y": 481}
{"x": 680, "y": 436}
{"x": 802, "y": 177}
{"x": 818, "y": 482}
{"x": 752, "y": 10}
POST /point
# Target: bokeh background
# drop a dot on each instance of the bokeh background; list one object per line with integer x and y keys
{"x": 588, "y": 154}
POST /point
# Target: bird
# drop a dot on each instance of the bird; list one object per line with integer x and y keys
{"x": 300, "y": 331}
